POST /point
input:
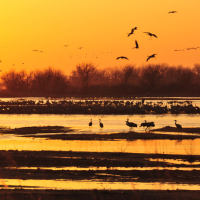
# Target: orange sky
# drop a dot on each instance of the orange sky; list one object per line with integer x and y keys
{"x": 101, "y": 28}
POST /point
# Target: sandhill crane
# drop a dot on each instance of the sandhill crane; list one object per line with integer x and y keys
{"x": 151, "y": 56}
{"x": 132, "y": 31}
{"x": 100, "y": 124}
{"x": 90, "y": 124}
{"x": 130, "y": 124}
{"x": 178, "y": 126}
{"x": 136, "y": 45}
{"x": 151, "y": 34}
{"x": 122, "y": 57}
{"x": 172, "y": 11}
{"x": 147, "y": 124}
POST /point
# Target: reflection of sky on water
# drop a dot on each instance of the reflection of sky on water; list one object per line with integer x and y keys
{"x": 112, "y": 123}
{"x": 90, "y": 185}
{"x": 137, "y": 146}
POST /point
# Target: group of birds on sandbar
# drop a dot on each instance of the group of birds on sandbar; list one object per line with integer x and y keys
{"x": 132, "y": 124}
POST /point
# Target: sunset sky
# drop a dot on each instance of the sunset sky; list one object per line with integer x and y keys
{"x": 101, "y": 28}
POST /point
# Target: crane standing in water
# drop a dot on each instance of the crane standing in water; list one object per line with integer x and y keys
{"x": 178, "y": 126}
{"x": 100, "y": 124}
{"x": 90, "y": 124}
{"x": 130, "y": 124}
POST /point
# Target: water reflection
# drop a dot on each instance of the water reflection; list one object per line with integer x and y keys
{"x": 112, "y": 123}
{"x": 123, "y": 146}
{"x": 91, "y": 185}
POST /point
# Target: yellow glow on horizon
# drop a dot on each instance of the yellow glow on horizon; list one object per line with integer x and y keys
{"x": 101, "y": 28}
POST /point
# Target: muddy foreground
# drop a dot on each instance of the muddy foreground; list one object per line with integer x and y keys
{"x": 28, "y": 165}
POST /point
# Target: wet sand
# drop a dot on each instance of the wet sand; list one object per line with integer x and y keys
{"x": 40, "y": 165}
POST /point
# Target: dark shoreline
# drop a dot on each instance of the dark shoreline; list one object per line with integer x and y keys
{"x": 99, "y": 194}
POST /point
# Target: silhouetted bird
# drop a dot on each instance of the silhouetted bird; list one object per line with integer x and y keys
{"x": 130, "y": 124}
{"x": 100, "y": 124}
{"x": 90, "y": 124}
{"x": 151, "y": 34}
{"x": 122, "y": 57}
{"x": 136, "y": 45}
{"x": 66, "y": 45}
{"x": 172, "y": 11}
{"x": 147, "y": 124}
{"x": 35, "y": 50}
{"x": 178, "y": 126}
{"x": 151, "y": 56}
{"x": 132, "y": 31}
{"x": 80, "y": 47}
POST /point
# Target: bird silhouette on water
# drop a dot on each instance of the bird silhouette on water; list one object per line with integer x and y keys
{"x": 130, "y": 124}
{"x": 151, "y": 34}
{"x": 132, "y": 31}
{"x": 136, "y": 45}
{"x": 151, "y": 56}
{"x": 100, "y": 124}
{"x": 90, "y": 124}
{"x": 178, "y": 126}
{"x": 122, "y": 57}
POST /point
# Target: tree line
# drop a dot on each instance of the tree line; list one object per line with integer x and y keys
{"x": 87, "y": 79}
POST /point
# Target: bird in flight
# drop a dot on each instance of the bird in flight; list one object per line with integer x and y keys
{"x": 151, "y": 34}
{"x": 132, "y": 31}
{"x": 151, "y": 56}
{"x": 80, "y": 47}
{"x": 172, "y": 11}
{"x": 35, "y": 50}
{"x": 122, "y": 57}
{"x": 66, "y": 45}
{"x": 136, "y": 45}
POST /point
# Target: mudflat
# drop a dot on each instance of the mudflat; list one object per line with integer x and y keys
{"x": 48, "y": 165}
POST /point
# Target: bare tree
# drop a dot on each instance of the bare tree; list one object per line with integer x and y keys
{"x": 152, "y": 76}
{"x": 17, "y": 81}
{"x": 84, "y": 75}
{"x": 51, "y": 81}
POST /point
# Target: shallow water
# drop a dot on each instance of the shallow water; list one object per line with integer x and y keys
{"x": 90, "y": 185}
{"x": 112, "y": 124}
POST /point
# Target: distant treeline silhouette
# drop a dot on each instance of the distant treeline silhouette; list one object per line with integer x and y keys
{"x": 87, "y": 79}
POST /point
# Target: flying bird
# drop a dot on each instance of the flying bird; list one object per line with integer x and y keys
{"x": 66, "y": 45}
{"x": 35, "y": 50}
{"x": 151, "y": 56}
{"x": 132, "y": 31}
{"x": 136, "y": 45}
{"x": 150, "y": 34}
{"x": 80, "y": 47}
{"x": 122, "y": 57}
{"x": 172, "y": 11}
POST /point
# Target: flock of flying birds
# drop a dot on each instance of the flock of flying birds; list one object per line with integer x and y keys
{"x": 137, "y": 45}
{"x": 151, "y": 35}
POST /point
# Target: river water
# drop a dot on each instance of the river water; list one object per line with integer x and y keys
{"x": 112, "y": 124}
